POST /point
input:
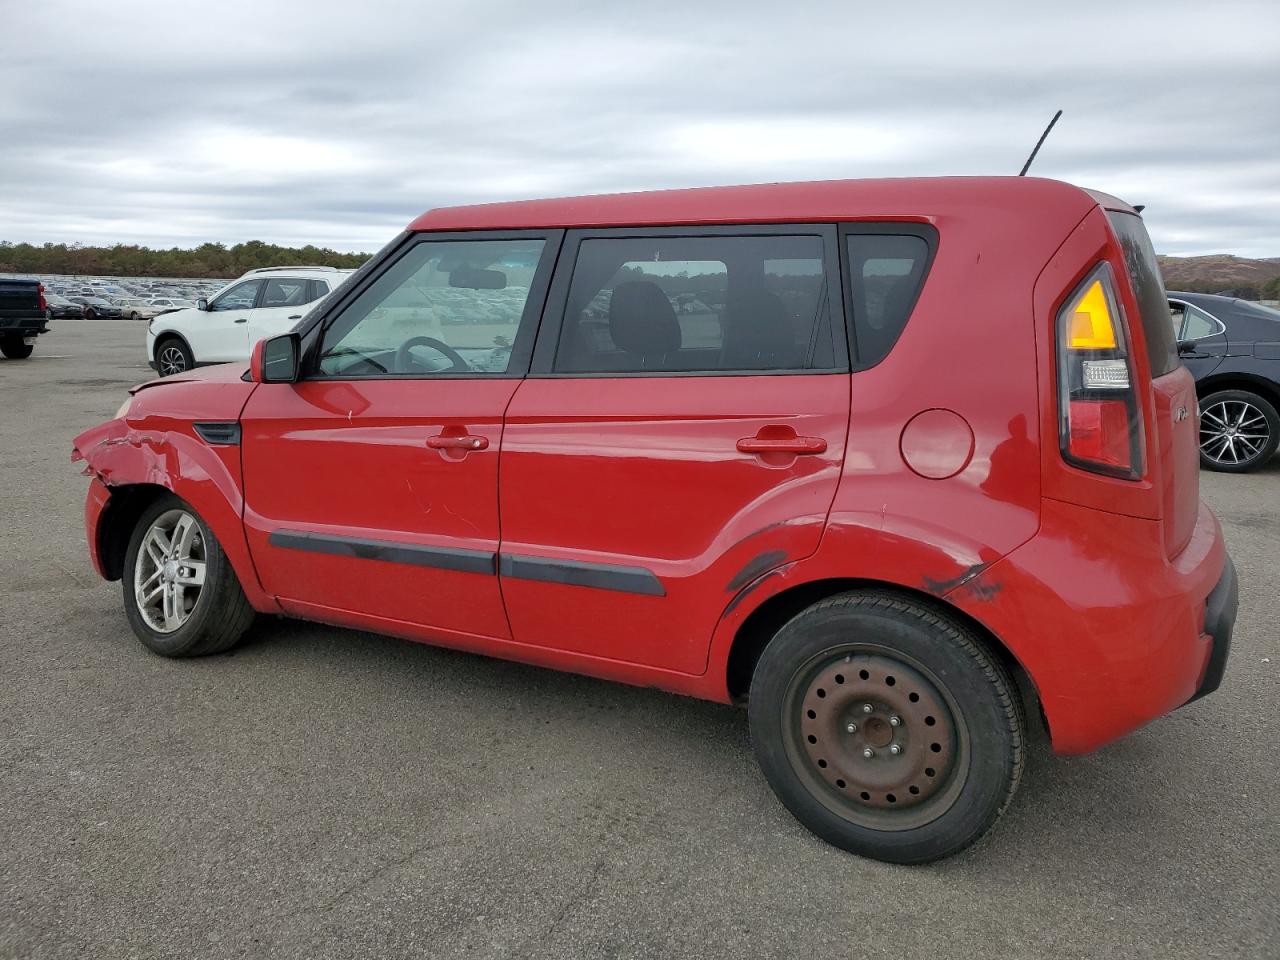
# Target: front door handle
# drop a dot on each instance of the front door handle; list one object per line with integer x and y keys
{"x": 295, "y": 316}
{"x": 464, "y": 442}
{"x": 793, "y": 445}
{"x": 243, "y": 320}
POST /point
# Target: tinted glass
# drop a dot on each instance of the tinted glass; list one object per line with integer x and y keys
{"x": 1198, "y": 325}
{"x": 886, "y": 273}
{"x": 284, "y": 292}
{"x": 1148, "y": 287}
{"x": 449, "y": 306}
{"x": 239, "y": 297}
{"x": 695, "y": 304}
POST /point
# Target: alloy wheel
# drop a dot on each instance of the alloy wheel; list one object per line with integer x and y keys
{"x": 172, "y": 360}
{"x": 1233, "y": 432}
{"x": 169, "y": 573}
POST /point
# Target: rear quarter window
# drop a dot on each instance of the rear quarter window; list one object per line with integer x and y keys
{"x": 1148, "y": 288}
{"x": 885, "y": 272}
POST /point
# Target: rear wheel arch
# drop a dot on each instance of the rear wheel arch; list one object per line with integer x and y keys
{"x": 760, "y": 626}
{"x": 1269, "y": 390}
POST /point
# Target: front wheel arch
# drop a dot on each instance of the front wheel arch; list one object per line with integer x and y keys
{"x": 119, "y": 517}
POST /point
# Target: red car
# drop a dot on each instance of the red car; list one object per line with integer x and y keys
{"x": 898, "y": 464}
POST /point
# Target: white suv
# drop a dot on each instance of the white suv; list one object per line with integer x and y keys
{"x": 260, "y": 304}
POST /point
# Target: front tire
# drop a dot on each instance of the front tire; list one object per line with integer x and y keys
{"x": 134, "y": 316}
{"x": 181, "y": 595}
{"x": 1239, "y": 431}
{"x": 886, "y": 727}
{"x": 15, "y": 349}
{"x": 173, "y": 356}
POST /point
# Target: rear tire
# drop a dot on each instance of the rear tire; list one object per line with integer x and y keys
{"x": 1239, "y": 431}
{"x": 15, "y": 349}
{"x": 173, "y": 356}
{"x": 171, "y": 549}
{"x": 886, "y": 727}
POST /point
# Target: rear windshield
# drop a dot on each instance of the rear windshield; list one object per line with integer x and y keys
{"x": 1148, "y": 287}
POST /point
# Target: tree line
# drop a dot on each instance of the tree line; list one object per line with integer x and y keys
{"x": 213, "y": 260}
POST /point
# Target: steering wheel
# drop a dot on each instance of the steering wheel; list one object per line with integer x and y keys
{"x": 405, "y": 362}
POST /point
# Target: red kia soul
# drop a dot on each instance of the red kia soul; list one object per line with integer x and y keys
{"x": 896, "y": 463}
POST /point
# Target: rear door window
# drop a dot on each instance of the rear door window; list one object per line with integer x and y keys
{"x": 885, "y": 272}
{"x": 688, "y": 304}
{"x": 1148, "y": 287}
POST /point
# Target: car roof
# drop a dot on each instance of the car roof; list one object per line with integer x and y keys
{"x": 910, "y": 198}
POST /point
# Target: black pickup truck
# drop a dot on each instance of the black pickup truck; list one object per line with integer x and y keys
{"x": 22, "y": 317}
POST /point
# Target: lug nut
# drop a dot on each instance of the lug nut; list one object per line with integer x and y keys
{"x": 895, "y": 721}
{"x": 895, "y": 749}
{"x": 867, "y": 708}
{"x": 851, "y": 728}
{"x": 868, "y": 753}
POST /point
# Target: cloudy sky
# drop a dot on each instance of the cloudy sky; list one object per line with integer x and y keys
{"x": 335, "y": 123}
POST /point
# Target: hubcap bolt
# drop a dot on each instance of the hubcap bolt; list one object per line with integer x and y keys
{"x": 851, "y": 728}
{"x": 895, "y": 749}
{"x": 867, "y": 708}
{"x": 895, "y": 721}
{"x": 868, "y": 753}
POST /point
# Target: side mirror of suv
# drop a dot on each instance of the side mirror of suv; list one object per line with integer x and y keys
{"x": 202, "y": 304}
{"x": 276, "y": 359}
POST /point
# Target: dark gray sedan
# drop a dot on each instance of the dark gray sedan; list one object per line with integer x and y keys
{"x": 95, "y": 308}
{"x": 1232, "y": 348}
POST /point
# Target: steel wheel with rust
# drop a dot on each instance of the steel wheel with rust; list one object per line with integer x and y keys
{"x": 886, "y": 727}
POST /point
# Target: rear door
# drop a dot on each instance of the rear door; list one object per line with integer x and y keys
{"x": 1202, "y": 337}
{"x": 681, "y": 435}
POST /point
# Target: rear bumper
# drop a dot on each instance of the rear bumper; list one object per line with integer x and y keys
{"x": 1219, "y": 622}
{"x": 1111, "y": 632}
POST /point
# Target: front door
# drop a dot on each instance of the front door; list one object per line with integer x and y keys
{"x": 222, "y": 332}
{"x": 371, "y": 486}
{"x": 681, "y": 435}
{"x": 283, "y": 303}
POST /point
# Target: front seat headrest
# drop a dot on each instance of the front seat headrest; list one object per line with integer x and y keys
{"x": 642, "y": 320}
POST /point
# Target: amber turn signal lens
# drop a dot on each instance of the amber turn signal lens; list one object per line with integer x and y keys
{"x": 1092, "y": 327}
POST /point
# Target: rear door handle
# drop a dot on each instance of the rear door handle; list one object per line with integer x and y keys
{"x": 294, "y": 316}
{"x": 243, "y": 320}
{"x": 465, "y": 442}
{"x": 794, "y": 445}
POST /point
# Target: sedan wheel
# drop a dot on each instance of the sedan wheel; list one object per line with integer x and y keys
{"x": 1238, "y": 431}
{"x": 170, "y": 571}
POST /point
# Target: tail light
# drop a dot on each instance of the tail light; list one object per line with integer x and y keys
{"x": 44, "y": 304}
{"x": 1100, "y": 421}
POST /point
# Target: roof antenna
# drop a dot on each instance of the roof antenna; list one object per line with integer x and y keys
{"x": 1039, "y": 143}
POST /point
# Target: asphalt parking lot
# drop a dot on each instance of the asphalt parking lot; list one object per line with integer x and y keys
{"x": 327, "y": 793}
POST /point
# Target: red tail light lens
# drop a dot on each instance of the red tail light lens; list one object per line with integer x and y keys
{"x": 44, "y": 304}
{"x": 1100, "y": 421}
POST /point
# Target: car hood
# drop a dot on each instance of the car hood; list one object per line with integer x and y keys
{"x": 218, "y": 373}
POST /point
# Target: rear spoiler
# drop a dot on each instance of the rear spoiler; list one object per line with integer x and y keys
{"x": 1108, "y": 202}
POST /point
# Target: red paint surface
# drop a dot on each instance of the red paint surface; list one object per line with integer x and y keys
{"x": 937, "y": 444}
{"x": 1096, "y": 585}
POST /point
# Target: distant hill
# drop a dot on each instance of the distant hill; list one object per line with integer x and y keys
{"x": 1221, "y": 272}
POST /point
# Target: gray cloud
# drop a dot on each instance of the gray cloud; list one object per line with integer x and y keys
{"x": 176, "y": 123}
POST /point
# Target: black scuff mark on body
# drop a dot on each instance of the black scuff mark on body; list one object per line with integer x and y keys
{"x": 757, "y": 565}
{"x": 941, "y": 587}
